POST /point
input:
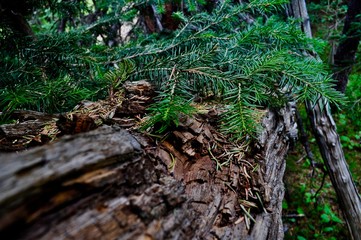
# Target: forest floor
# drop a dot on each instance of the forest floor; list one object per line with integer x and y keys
{"x": 310, "y": 207}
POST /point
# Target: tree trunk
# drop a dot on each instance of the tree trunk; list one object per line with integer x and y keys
{"x": 12, "y": 15}
{"x": 104, "y": 184}
{"x": 328, "y": 140}
{"x": 329, "y": 144}
{"x": 269, "y": 224}
{"x": 346, "y": 50}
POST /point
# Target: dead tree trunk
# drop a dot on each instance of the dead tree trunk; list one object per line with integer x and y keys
{"x": 329, "y": 144}
{"x": 346, "y": 50}
{"x": 104, "y": 185}
{"x": 13, "y": 16}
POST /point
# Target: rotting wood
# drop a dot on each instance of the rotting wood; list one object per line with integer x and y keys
{"x": 194, "y": 184}
{"x": 99, "y": 184}
{"x": 26, "y": 131}
{"x": 25, "y": 115}
{"x": 36, "y": 128}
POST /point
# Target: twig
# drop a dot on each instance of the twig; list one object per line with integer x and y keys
{"x": 247, "y": 213}
{"x": 322, "y": 183}
{"x": 260, "y": 200}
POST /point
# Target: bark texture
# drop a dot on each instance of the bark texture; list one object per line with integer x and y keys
{"x": 106, "y": 184}
{"x": 280, "y": 130}
{"x": 329, "y": 143}
{"x": 26, "y": 132}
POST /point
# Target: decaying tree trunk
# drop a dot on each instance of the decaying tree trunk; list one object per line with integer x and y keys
{"x": 109, "y": 184}
{"x": 330, "y": 147}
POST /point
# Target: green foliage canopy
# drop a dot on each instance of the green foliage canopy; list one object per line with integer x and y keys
{"x": 214, "y": 54}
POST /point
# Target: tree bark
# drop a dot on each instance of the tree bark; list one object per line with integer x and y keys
{"x": 328, "y": 140}
{"x": 269, "y": 224}
{"x": 329, "y": 143}
{"x": 346, "y": 50}
{"x": 12, "y": 14}
{"x": 102, "y": 184}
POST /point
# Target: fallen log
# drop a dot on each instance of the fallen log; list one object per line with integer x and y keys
{"x": 36, "y": 178}
{"x": 104, "y": 184}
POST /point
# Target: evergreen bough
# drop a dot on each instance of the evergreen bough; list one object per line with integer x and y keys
{"x": 244, "y": 66}
{"x": 212, "y": 55}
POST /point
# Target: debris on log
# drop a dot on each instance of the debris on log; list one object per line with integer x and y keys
{"x": 35, "y": 128}
{"x": 109, "y": 184}
{"x": 113, "y": 182}
{"x": 29, "y": 130}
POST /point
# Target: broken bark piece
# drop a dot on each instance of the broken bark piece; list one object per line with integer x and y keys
{"x": 141, "y": 88}
{"x": 30, "y": 127}
{"x": 192, "y": 124}
{"x": 138, "y": 96}
{"x": 73, "y": 123}
{"x": 130, "y": 107}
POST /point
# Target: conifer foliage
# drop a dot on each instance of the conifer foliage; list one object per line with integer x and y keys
{"x": 243, "y": 55}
